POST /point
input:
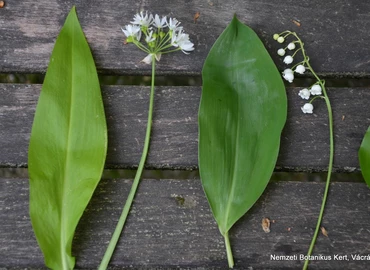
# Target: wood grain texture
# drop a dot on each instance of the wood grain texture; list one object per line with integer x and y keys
{"x": 335, "y": 32}
{"x": 170, "y": 225}
{"x": 304, "y": 144}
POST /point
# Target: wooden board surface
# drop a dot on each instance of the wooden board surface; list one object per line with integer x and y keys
{"x": 335, "y": 32}
{"x": 304, "y": 144}
{"x": 170, "y": 225}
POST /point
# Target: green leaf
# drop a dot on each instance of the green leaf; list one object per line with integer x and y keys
{"x": 242, "y": 113}
{"x": 364, "y": 157}
{"x": 68, "y": 145}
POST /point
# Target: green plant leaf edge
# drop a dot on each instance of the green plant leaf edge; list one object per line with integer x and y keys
{"x": 68, "y": 145}
{"x": 364, "y": 157}
{"x": 242, "y": 112}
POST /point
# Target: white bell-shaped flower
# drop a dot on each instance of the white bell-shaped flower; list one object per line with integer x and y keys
{"x": 304, "y": 93}
{"x": 300, "y": 69}
{"x": 316, "y": 90}
{"x": 288, "y": 59}
{"x": 307, "y": 108}
{"x": 288, "y": 75}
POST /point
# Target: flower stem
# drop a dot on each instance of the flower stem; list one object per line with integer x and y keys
{"x": 316, "y": 98}
{"x": 230, "y": 258}
{"x": 121, "y": 222}
{"x": 330, "y": 168}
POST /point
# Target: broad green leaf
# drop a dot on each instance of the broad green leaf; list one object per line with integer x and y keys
{"x": 68, "y": 145}
{"x": 242, "y": 113}
{"x": 364, "y": 157}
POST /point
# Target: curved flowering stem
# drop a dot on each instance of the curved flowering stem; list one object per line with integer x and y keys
{"x": 141, "y": 47}
{"x": 164, "y": 40}
{"x": 331, "y": 158}
{"x": 296, "y": 52}
{"x": 316, "y": 98}
{"x": 157, "y": 40}
{"x": 324, "y": 95}
{"x": 122, "y": 220}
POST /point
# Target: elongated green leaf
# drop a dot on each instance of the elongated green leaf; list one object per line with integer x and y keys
{"x": 364, "y": 157}
{"x": 68, "y": 145}
{"x": 242, "y": 112}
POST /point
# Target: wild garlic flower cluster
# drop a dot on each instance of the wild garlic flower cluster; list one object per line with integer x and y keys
{"x": 296, "y": 46}
{"x": 160, "y": 34}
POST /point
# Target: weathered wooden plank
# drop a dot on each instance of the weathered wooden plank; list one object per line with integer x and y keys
{"x": 335, "y": 42}
{"x": 170, "y": 225}
{"x": 304, "y": 144}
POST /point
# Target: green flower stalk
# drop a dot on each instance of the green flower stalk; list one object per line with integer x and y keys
{"x": 317, "y": 90}
{"x": 160, "y": 36}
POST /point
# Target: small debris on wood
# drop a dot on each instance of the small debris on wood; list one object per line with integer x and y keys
{"x": 125, "y": 42}
{"x": 273, "y": 221}
{"x": 324, "y": 231}
{"x": 288, "y": 229}
{"x": 2, "y": 4}
{"x": 210, "y": 3}
{"x": 343, "y": 116}
{"x": 266, "y": 225}
{"x": 196, "y": 16}
{"x": 297, "y": 23}
{"x": 180, "y": 200}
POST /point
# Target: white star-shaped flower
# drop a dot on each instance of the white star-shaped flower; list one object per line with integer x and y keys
{"x": 142, "y": 20}
{"x": 149, "y": 38}
{"x": 132, "y": 31}
{"x": 181, "y": 40}
{"x": 159, "y": 23}
{"x": 173, "y": 25}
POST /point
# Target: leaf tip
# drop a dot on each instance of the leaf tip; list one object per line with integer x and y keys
{"x": 235, "y": 18}
{"x": 73, "y": 9}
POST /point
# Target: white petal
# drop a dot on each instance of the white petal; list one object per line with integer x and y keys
{"x": 147, "y": 59}
{"x": 158, "y": 56}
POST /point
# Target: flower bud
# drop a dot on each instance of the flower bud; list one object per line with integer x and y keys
{"x": 276, "y": 36}
{"x": 281, "y": 52}
{"x": 291, "y": 46}
{"x": 280, "y": 39}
